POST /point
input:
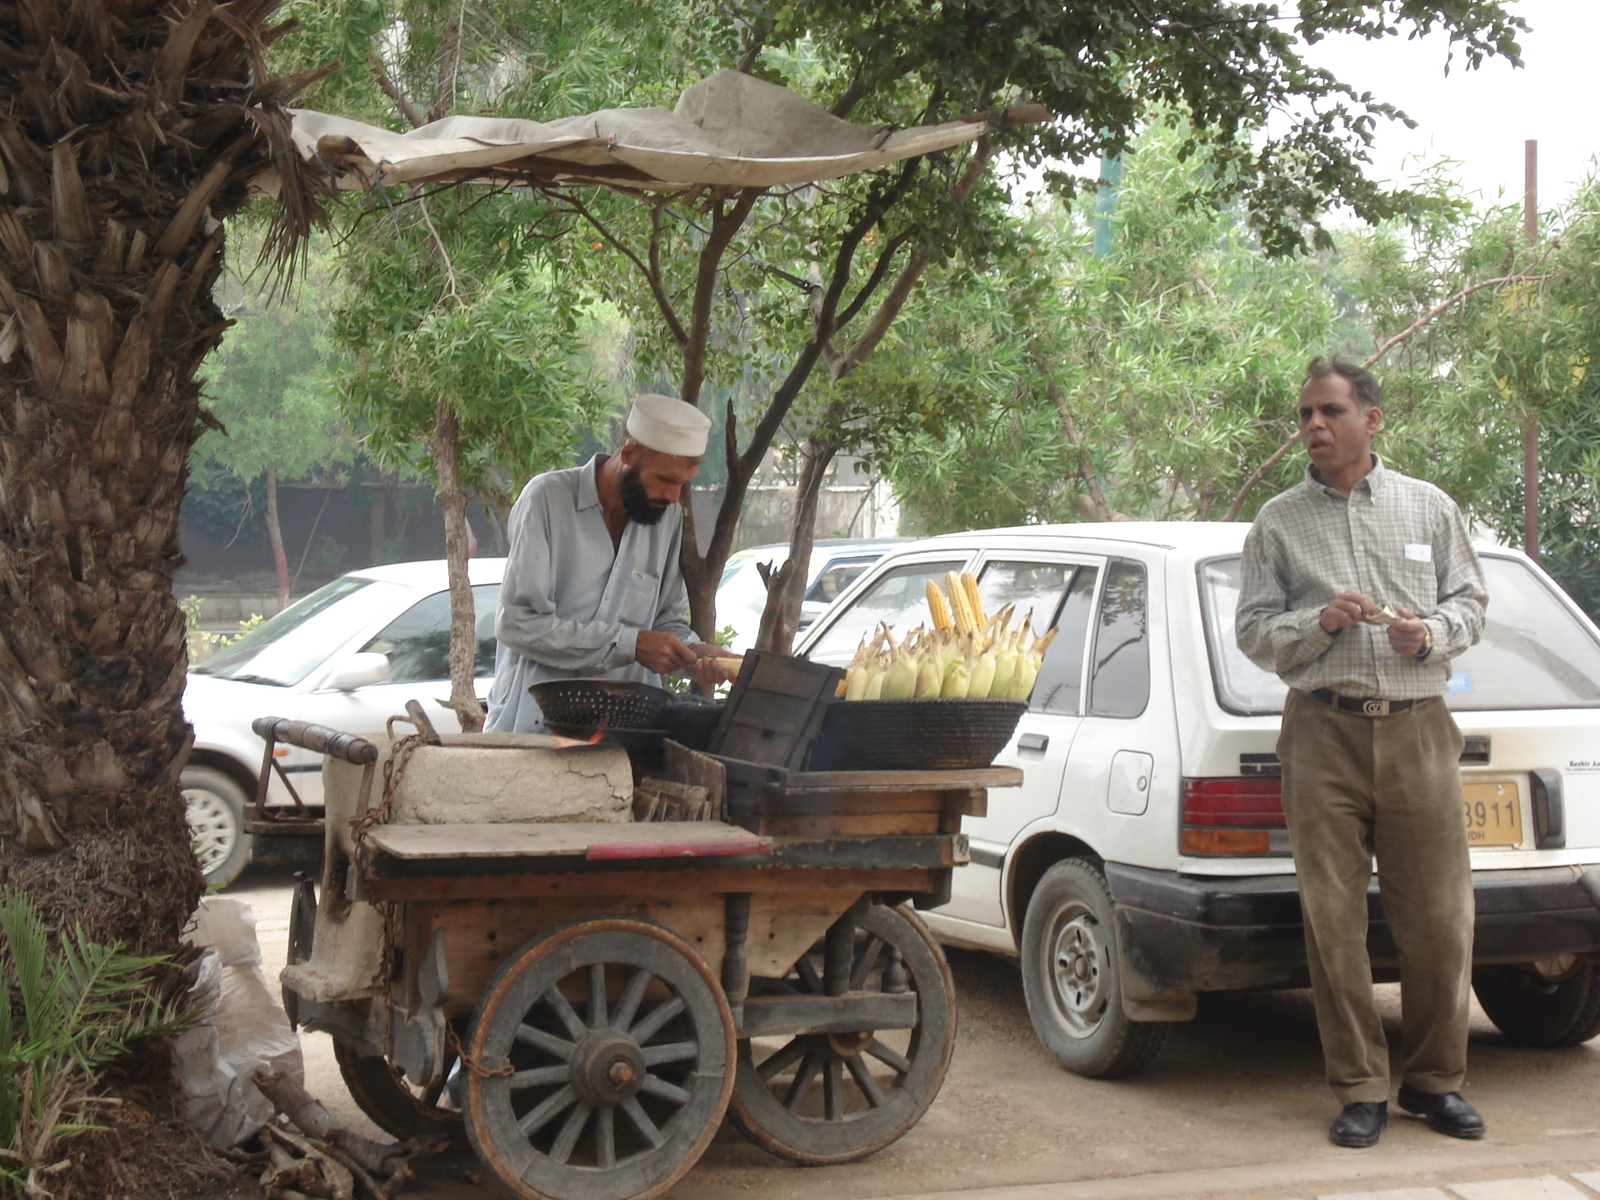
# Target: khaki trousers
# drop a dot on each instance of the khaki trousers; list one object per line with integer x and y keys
{"x": 1355, "y": 788}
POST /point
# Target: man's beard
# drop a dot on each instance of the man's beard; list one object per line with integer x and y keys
{"x": 636, "y": 501}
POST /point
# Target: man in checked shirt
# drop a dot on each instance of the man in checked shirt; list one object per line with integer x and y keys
{"x": 1359, "y": 585}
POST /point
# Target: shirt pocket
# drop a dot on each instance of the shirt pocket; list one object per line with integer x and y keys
{"x": 1416, "y": 585}
{"x": 644, "y": 596}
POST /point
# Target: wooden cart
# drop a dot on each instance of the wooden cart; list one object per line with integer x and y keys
{"x": 585, "y": 1001}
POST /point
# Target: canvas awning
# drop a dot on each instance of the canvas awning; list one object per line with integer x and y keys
{"x": 730, "y": 130}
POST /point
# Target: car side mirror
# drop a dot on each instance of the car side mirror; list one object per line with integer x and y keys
{"x": 358, "y": 671}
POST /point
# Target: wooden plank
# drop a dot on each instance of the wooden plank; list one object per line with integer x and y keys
{"x": 681, "y": 848}
{"x": 480, "y": 933}
{"x": 534, "y": 840}
{"x": 785, "y": 1016}
{"x": 861, "y": 803}
{"x": 606, "y": 887}
{"x": 845, "y": 824}
{"x": 900, "y": 781}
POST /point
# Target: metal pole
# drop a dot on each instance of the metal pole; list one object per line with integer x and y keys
{"x": 1530, "y": 419}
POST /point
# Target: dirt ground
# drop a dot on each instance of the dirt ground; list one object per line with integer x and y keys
{"x": 1239, "y": 1085}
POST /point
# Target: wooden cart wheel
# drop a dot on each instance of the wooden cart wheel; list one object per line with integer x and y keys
{"x": 833, "y": 1098}
{"x": 600, "y": 1061}
{"x": 395, "y": 1106}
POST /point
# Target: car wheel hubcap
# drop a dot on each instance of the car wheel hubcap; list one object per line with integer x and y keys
{"x": 1077, "y": 971}
{"x": 211, "y": 827}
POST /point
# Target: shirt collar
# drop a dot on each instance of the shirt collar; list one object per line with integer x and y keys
{"x": 588, "y": 488}
{"x": 1373, "y": 481}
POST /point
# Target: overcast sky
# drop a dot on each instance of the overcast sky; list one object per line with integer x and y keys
{"x": 1482, "y": 118}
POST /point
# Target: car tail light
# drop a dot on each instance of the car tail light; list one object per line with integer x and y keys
{"x": 1233, "y": 816}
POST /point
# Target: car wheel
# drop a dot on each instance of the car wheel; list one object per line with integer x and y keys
{"x": 1553, "y": 1002}
{"x": 216, "y": 824}
{"x": 1072, "y": 976}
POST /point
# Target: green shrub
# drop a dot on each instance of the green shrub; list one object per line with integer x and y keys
{"x": 66, "y": 1011}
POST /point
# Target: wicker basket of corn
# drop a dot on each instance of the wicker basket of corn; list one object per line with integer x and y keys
{"x": 946, "y": 695}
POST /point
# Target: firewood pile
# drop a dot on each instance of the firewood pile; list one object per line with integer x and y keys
{"x": 668, "y": 800}
{"x": 306, "y": 1155}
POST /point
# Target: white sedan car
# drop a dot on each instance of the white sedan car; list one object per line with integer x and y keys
{"x": 347, "y": 656}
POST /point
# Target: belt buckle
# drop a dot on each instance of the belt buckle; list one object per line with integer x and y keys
{"x": 1375, "y": 708}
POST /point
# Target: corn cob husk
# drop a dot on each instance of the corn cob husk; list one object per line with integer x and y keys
{"x": 939, "y": 608}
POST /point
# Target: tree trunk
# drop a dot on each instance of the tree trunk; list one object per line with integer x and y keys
{"x": 127, "y": 131}
{"x": 781, "y": 617}
{"x": 446, "y": 446}
{"x": 280, "y": 559}
{"x": 1530, "y": 485}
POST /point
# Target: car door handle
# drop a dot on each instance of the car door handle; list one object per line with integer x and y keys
{"x": 1034, "y": 741}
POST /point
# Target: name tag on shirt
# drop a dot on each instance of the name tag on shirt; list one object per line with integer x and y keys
{"x": 1419, "y": 551}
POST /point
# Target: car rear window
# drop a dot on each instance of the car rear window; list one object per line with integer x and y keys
{"x": 1534, "y": 652}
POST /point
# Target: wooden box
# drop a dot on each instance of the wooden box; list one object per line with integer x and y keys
{"x": 774, "y": 709}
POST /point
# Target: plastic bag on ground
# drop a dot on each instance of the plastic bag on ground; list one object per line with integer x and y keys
{"x": 243, "y": 1028}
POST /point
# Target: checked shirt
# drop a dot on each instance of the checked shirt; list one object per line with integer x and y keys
{"x": 1394, "y": 539}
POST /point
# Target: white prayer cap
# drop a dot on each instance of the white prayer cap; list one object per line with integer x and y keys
{"x": 669, "y": 425}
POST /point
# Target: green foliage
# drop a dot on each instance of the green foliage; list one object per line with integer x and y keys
{"x": 503, "y": 347}
{"x": 269, "y": 383}
{"x": 67, "y": 1010}
{"x": 1100, "y": 66}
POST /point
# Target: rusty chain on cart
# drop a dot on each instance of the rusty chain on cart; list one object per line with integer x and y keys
{"x": 394, "y": 768}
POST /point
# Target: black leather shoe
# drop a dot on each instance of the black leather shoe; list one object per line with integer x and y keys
{"x": 1446, "y": 1112}
{"x": 1359, "y": 1124}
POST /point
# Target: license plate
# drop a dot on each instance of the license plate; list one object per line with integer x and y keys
{"x": 1494, "y": 812}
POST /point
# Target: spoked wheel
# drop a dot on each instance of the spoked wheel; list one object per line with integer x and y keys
{"x": 602, "y": 1060}
{"x": 837, "y": 1097}
{"x": 395, "y": 1106}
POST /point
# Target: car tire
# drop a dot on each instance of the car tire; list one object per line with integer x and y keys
{"x": 1072, "y": 976}
{"x": 216, "y": 823}
{"x": 1551, "y": 1003}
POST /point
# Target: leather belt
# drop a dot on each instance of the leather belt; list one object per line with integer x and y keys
{"x": 1367, "y": 708}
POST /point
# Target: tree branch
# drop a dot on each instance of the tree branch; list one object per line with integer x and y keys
{"x": 1427, "y": 317}
{"x": 650, "y": 271}
{"x": 1260, "y": 473}
{"x": 408, "y": 111}
{"x": 444, "y": 255}
{"x": 725, "y": 223}
{"x": 1100, "y": 510}
{"x": 895, "y": 299}
{"x": 449, "y": 64}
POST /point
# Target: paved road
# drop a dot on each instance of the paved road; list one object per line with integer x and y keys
{"x": 1233, "y": 1107}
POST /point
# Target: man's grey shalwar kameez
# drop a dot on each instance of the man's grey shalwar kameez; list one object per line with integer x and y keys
{"x": 570, "y": 606}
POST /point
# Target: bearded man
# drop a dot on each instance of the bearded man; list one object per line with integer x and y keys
{"x": 592, "y": 586}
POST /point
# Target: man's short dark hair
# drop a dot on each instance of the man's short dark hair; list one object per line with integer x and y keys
{"x": 1362, "y": 385}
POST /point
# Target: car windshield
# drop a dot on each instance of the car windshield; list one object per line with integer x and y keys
{"x": 283, "y": 651}
{"x": 1534, "y": 653}
{"x": 897, "y": 598}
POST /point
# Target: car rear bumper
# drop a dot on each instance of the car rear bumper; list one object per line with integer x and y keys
{"x": 1196, "y": 933}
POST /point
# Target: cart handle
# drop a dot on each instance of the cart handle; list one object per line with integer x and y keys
{"x": 348, "y": 746}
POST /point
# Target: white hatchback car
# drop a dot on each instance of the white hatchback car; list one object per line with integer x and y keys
{"x": 348, "y": 656}
{"x": 1145, "y": 857}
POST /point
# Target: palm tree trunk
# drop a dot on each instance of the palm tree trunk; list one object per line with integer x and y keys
{"x": 123, "y": 141}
